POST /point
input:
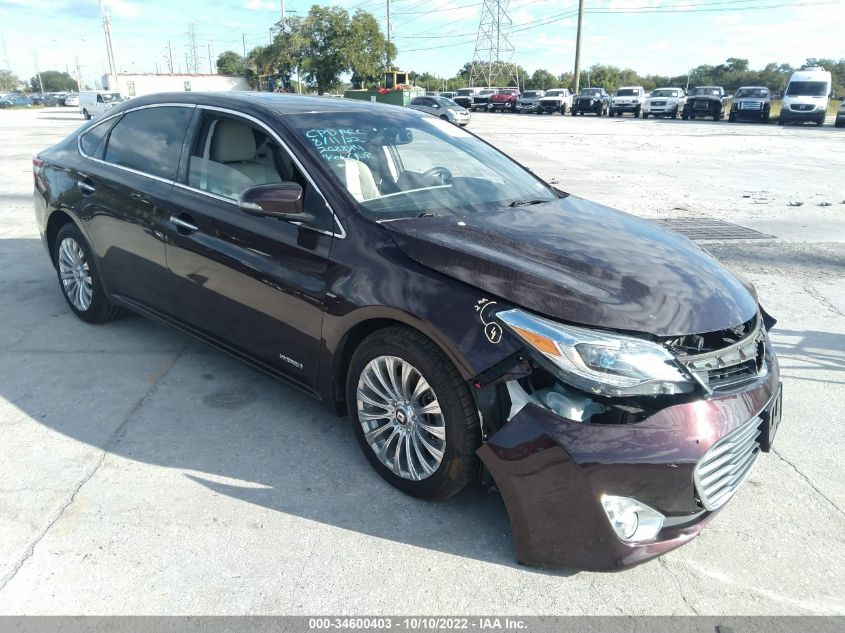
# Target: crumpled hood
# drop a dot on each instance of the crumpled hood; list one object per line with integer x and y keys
{"x": 585, "y": 263}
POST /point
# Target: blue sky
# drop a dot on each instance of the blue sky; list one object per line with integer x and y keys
{"x": 433, "y": 35}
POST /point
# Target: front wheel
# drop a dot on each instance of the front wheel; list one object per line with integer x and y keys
{"x": 645, "y": 115}
{"x": 79, "y": 278}
{"x": 731, "y": 117}
{"x": 412, "y": 413}
{"x": 637, "y": 112}
{"x": 444, "y": 117}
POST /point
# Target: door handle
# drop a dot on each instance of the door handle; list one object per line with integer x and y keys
{"x": 85, "y": 187}
{"x": 183, "y": 225}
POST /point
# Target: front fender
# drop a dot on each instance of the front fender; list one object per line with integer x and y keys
{"x": 370, "y": 280}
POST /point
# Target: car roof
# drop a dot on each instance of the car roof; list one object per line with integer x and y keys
{"x": 752, "y": 88}
{"x": 272, "y": 103}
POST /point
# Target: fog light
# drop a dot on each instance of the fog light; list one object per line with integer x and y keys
{"x": 631, "y": 520}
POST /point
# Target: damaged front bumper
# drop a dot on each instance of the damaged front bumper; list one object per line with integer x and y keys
{"x": 553, "y": 472}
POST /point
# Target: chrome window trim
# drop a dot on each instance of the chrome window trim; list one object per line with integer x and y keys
{"x": 339, "y": 235}
{"x": 342, "y": 234}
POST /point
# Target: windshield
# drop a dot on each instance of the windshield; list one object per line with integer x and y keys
{"x": 447, "y": 103}
{"x": 664, "y": 93}
{"x": 530, "y": 94}
{"x": 112, "y": 97}
{"x": 554, "y": 93}
{"x": 399, "y": 165}
{"x": 752, "y": 93}
{"x": 486, "y": 92}
{"x": 627, "y": 92}
{"x": 590, "y": 92}
{"x": 807, "y": 89}
{"x": 464, "y": 92}
{"x": 707, "y": 91}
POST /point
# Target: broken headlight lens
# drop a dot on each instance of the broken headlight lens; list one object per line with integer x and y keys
{"x": 599, "y": 362}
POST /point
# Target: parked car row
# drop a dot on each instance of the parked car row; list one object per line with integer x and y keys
{"x": 806, "y": 98}
{"x": 47, "y": 99}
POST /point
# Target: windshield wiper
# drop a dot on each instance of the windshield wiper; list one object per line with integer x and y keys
{"x": 428, "y": 214}
{"x": 525, "y": 203}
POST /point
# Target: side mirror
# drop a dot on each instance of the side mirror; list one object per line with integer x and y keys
{"x": 281, "y": 200}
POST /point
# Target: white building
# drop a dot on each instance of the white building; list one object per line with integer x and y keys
{"x": 138, "y": 84}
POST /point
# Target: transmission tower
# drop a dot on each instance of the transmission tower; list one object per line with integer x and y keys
{"x": 192, "y": 60}
{"x": 493, "y": 48}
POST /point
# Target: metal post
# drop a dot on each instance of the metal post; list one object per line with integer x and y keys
{"x": 109, "y": 48}
{"x": 578, "y": 47}
{"x": 169, "y": 58}
{"x": 388, "y": 33}
{"x": 210, "y": 69}
{"x": 243, "y": 41}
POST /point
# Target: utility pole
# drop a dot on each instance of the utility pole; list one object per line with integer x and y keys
{"x": 388, "y": 33}
{"x": 187, "y": 64}
{"x": 578, "y": 47}
{"x": 109, "y": 48}
{"x": 243, "y": 41}
{"x": 78, "y": 76}
{"x": 6, "y": 62}
{"x": 38, "y": 72}
{"x": 284, "y": 16}
{"x": 210, "y": 70}
{"x": 169, "y": 57}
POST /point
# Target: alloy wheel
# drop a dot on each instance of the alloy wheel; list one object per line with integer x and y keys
{"x": 401, "y": 417}
{"x": 75, "y": 274}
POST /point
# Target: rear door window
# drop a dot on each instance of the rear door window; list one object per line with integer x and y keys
{"x": 150, "y": 140}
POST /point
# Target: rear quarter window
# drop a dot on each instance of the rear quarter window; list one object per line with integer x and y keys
{"x": 91, "y": 139}
{"x": 150, "y": 140}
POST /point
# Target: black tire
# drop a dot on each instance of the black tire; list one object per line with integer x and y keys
{"x": 717, "y": 116}
{"x": 684, "y": 117}
{"x": 731, "y": 117}
{"x": 645, "y": 115}
{"x": 444, "y": 117}
{"x": 765, "y": 118}
{"x": 86, "y": 115}
{"x": 572, "y": 112}
{"x": 637, "y": 111}
{"x": 459, "y": 463}
{"x": 100, "y": 309}
{"x": 675, "y": 113}
{"x": 692, "y": 117}
{"x": 781, "y": 121}
{"x": 820, "y": 121}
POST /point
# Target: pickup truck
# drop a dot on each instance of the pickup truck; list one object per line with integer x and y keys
{"x": 555, "y": 100}
{"x": 627, "y": 99}
{"x": 706, "y": 101}
{"x": 505, "y": 99}
{"x": 482, "y": 98}
{"x": 465, "y": 96}
{"x": 594, "y": 100}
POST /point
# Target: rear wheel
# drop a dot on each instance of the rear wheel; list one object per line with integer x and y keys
{"x": 444, "y": 117}
{"x": 731, "y": 117}
{"x": 79, "y": 278}
{"x": 645, "y": 115}
{"x": 412, "y": 413}
{"x": 637, "y": 111}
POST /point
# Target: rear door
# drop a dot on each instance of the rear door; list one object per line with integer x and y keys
{"x": 124, "y": 184}
{"x": 253, "y": 284}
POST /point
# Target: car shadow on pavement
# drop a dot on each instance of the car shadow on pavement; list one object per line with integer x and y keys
{"x": 144, "y": 392}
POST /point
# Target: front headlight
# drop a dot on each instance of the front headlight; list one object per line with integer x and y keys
{"x": 597, "y": 361}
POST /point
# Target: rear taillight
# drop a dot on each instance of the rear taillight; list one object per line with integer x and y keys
{"x": 37, "y": 164}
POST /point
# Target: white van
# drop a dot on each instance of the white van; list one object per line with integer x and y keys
{"x": 807, "y": 96}
{"x": 94, "y": 102}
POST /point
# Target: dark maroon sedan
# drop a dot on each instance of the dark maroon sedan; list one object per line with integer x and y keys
{"x": 616, "y": 382}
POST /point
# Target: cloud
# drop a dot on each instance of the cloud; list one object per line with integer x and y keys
{"x": 261, "y": 5}
{"x": 122, "y": 8}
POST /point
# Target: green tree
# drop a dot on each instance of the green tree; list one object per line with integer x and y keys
{"x": 8, "y": 81}
{"x": 541, "y": 79}
{"x": 230, "y": 63}
{"x": 53, "y": 81}
{"x": 368, "y": 50}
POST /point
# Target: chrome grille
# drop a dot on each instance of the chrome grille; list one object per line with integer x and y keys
{"x": 801, "y": 107}
{"x": 750, "y": 105}
{"x": 727, "y": 464}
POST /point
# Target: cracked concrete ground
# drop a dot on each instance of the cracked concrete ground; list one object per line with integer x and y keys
{"x": 144, "y": 473}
